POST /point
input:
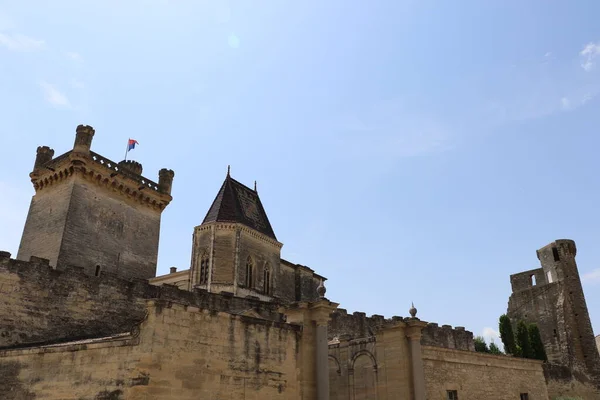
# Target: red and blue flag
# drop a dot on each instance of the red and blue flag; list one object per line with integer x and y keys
{"x": 131, "y": 144}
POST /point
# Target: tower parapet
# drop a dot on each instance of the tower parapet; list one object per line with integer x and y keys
{"x": 132, "y": 166}
{"x": 86, "y": 201}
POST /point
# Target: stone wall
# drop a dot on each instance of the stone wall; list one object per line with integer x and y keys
{"x": 476, "y": 376}
{"x": 563, "y": 381}
{"x": 106, "y": 229}
{"x": 358, "y": 325}
{"x": 39, "y": 304}
{"x": 180, "y": 352}
{"x": 371, "y": 368}
{"x": 45, "y": 223}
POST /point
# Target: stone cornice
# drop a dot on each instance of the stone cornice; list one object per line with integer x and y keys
{"x": 102, "y": 172}
{"x": 236, "y": 225}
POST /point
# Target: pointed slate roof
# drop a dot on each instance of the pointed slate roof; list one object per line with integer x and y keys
{"x": 236, "y": 202}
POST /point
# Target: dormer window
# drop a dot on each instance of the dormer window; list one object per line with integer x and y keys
{"x": 249, "y": 273}
{"x": 204, "y": 269}
{"x": 267, "y": 279}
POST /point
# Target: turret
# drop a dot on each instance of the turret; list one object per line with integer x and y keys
{"x": 44, "y": 154}
{"x": 131, "y": 166}
{"x": 165, "y": 180}
{"x": 83, "y": 139}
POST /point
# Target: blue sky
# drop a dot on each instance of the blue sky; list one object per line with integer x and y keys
{"x": 407, "y": 150}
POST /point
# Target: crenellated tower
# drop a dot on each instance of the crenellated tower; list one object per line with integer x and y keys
{"x": 91, "y": 212}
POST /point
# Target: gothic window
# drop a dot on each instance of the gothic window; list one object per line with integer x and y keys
{"x": 249, "y": 272}
{"x": 267, "y": 278}
{"x": 204, "y": 269}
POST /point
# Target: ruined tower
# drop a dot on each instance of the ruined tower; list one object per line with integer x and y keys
{"x": 553, "y": 298}
{"x": 235, "y": 249}
{"x": 91, "y": 212}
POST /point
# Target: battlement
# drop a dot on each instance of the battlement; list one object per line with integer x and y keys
{"x": 355, "y": 326}
{"x": 45, "y": 305}
{"x": 445, "y": 336}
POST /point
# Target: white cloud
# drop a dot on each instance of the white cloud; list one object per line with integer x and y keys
{"x": 77, "y": 84}
{"x": 565, "y": 103}
{"x": 76, "y": 57}
{"x": 491, "y": 335}
{"x": 592, "y": 277}
{"x": 54, "y": 96}
{"x": 589, "y": 54}
{"x": 18, "y": 42}
{"x": 548, "y": 54}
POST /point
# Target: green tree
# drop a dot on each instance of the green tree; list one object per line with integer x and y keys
{"x": 480, "y": 345}
{"x": 523, "y": 340}
{"x": 494, "y": 349}
{"x": 507, "y": 335}
{"x": 535, "y": 340}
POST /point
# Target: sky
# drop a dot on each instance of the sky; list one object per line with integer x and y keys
{"x": 409, "y": 151}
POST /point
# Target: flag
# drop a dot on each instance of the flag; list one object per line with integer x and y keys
{"x": 131, "y": 144}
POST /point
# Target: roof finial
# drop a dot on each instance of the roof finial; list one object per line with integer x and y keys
{"x": 413, "y": 310}
{"x": 255, "y": 186}
{"x": 228, "y": 169}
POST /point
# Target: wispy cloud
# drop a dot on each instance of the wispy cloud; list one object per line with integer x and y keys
{"x": 589, "y": 54}
{"x": 76, "y": 57}
{"x": 592, "y": 277}
{"x": 389, "y": 131}
{"x": 18, "y": 42}
{"x": 54, "y": 96}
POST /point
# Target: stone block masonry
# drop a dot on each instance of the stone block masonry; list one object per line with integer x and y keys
{"x": 179, "y": 352}
{"x": 41, "y": 305}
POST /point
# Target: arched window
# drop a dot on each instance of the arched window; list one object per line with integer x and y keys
{"x": 267, "y": 279}
{"x": 204, "y": 269}
{"x": 249, "y": 272}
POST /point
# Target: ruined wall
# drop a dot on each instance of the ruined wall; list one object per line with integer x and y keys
{"x": 181, "y": 353}
{"x": 477, "y": 376}
{"x": 105, "y": 229}
{"x": 563, "y": 381}
{"x": 540, "y": 304}
{"x": 553, "y": 298}
{"x": 39, "y": 304}
{"x": 447, "y": 337}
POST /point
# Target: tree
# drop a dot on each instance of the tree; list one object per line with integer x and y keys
{"x": 535, "y": 340}
{"x": 507, "y": 335}
{"x": 523, "y": 340}
{"x": 494, "y": 349}
{"x": 480, "y": 345}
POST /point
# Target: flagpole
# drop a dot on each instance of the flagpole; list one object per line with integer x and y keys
{"x": 126, "y": 150}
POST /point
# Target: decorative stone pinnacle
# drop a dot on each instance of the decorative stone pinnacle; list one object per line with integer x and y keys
{"x": 255, "y": 186}
{"x": 413, "y": 310}
{"x": 321, "y": 290}
{"x": 228, "y": 170}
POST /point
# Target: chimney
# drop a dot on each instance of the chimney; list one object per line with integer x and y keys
{"x": 173, "y": 270}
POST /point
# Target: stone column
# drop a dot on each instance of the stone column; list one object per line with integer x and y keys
{"x": 314, "y": 351}
{"x": 414, "y": 333}
{"x": 321, "y": 318}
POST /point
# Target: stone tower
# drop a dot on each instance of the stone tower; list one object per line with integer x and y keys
{"x": 235, "y": 249}
{"x": 552, "y": 297}
{"x": 91, "y": 212}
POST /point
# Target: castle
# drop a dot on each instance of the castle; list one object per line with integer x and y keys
{"x": 84, "y": 316}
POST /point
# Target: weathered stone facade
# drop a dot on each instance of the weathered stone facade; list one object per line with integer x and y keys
{"x": 83, "y": 316}
{"x": 553, "y": 298}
